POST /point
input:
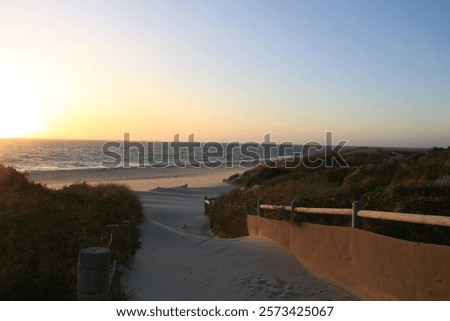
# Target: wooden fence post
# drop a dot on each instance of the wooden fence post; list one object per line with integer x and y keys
{"x": 294, "y": 204}
{"x": 247, "y": 210}
{"x": 356, "y": 220}
{"x": 127, "y": 224}
{"x": 112, "y": 243}
{"x": 94, "y": 274}
{"x": 259, "y": 210}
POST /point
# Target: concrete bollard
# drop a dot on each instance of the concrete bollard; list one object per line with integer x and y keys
{"x": 94, "y": 269}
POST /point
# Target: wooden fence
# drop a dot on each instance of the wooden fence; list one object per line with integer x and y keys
{"x": 356, "y": 212}
{"x": 370, "y": 265}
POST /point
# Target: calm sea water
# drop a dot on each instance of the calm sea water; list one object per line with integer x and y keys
{"x": 51, "y": 155}
{"x": 32, "y": 155}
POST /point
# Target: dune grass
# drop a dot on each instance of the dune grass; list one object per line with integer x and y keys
{"x": 42, "y": 231}
{"x": 228, "y": 216}
{"x": 412, "y": 182}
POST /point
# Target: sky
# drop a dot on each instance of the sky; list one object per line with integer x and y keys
{"x": 375, "y": 73}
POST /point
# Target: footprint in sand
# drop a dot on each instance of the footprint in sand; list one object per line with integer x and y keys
{"x": 260, "y": 287}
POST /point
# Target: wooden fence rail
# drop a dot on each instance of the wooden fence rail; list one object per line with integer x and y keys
{"x": 356, "y": 212}
{"x": 406, "y": 217}
{"x": 328, "y": 211}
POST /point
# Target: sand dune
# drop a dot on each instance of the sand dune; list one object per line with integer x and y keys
{"x": 181, "y": 260}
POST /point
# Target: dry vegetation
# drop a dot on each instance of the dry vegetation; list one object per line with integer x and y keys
{"x": 42, "y": 230}
{"x": 227, "y": 216}
{"x": 411, "y": 182}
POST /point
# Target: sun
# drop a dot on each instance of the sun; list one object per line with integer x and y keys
{"x": 23, "y": 95}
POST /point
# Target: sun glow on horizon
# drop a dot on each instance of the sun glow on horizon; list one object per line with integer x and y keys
{"x": 26, "y": 97}
{"x": 225, "y": 71}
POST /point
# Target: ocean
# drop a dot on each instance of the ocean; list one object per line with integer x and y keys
{"x": 54, "y": 155}
{"x": 48, "y": 155}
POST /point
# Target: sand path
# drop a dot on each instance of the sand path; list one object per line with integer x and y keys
{"x": 181, "y": 260}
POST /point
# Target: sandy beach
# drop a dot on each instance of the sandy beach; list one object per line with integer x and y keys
{"x": 138, "y": 179}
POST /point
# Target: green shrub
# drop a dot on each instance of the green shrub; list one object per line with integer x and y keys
{"x": 417, "y": 182}
{"x": 42, "y": 231}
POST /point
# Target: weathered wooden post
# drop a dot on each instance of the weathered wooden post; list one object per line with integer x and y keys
{"x": 94, "y": 273}
{"x": 294, "y": 204}
{"x": 356, "y": 220}
{"x": 127, "y": 224}
{"x": 259, "y": 210}
{"x": 112, "y": 243}
{"x": 247, "y": 209}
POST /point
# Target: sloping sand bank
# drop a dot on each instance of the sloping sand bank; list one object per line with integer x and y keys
{"x": 181, "y": 260}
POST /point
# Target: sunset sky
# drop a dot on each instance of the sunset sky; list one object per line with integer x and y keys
{"x": 375, "y": 73}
